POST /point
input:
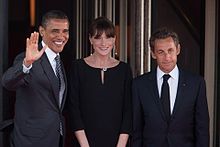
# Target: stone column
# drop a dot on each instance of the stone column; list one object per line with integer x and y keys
{"x": 141, "y": 26}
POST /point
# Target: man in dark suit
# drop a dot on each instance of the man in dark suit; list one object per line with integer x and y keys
{"x": 172, "y": 111}
{"x": 40, "y": 85}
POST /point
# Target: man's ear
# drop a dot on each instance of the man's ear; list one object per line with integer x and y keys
{"x": 41, "y": 31}
{"x": 153, "y": 54}
{"x": 178, "y": 49}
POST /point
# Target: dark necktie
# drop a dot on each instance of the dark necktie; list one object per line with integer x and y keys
{"x": 165, "y": 96}
{"x": 59, "y": 74}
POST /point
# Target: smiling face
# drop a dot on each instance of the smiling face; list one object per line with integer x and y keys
{"x": 165, "y": 52}
{"x": 55, "y": 34}
{"x": 102, "y": 45}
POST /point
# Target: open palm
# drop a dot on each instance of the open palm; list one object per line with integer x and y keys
{"x": 32, "y": 51}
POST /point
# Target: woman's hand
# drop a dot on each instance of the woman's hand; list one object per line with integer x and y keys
{"x": 82, "y": 139}
{"x": 122, "y": 141}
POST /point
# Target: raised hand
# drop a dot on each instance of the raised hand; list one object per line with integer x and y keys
{"x": 32, "y": 53}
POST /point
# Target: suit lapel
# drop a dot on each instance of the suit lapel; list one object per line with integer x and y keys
{"x": 180, "y": 93}
{"x": 53, "y": 79}
{"x": 51, "y": 76}
{"x": 154, "y": 89}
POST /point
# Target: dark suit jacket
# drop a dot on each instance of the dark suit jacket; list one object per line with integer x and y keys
{"x": 189, "y": 124}
{"x": 37, "y": 112}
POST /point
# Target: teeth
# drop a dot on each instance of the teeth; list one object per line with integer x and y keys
{"x": 59, "y": 43}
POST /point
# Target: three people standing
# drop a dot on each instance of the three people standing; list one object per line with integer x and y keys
{"x": 167, "y": 112}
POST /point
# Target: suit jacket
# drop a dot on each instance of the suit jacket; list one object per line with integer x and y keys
{"x": 37, "y": 111}
{"x": 189, "y": 123}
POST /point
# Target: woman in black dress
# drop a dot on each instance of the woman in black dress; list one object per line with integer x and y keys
{"x": 100, "y": 92}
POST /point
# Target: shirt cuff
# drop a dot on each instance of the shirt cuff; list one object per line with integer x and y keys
{"x": 26, "y": 70}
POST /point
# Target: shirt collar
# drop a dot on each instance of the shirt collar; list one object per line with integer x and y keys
{"x": 50, "y": 53}
{"x": 174, "y": 73}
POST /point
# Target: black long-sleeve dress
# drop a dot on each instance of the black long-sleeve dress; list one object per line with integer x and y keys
{"x": 102, "y": 109}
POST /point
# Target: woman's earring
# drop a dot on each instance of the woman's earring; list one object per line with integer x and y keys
{"x": 114, "y": 52}
{"x": 91, "y": 49}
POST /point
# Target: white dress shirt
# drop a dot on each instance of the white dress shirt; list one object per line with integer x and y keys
{"x": 173, "y": 84}
{"x": 51, "y": 57}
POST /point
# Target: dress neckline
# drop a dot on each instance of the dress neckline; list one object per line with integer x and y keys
{"x": 103, "y": 69}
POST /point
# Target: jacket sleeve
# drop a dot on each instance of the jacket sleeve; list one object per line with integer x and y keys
{"x": 126, "y": 126}
{"x": 137, "y": 138}
{"x": 202, "y": 117}
{"x": 14, "y": 77}
{"x": 76, "y": 122}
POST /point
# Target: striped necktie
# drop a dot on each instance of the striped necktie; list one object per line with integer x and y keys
{"x": 60, "y": 76}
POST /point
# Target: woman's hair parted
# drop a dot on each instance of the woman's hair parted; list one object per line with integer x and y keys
{"x": 102, "y": 25}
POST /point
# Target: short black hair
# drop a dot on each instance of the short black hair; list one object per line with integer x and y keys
{"x": 53, "y": 14}
{"x": 163, "y": 33}
{"x": 102, "y": 25}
